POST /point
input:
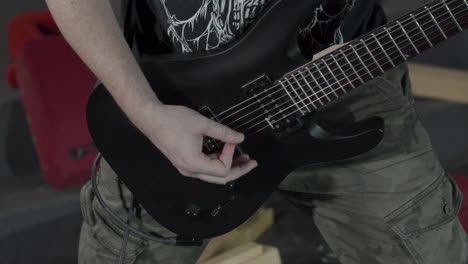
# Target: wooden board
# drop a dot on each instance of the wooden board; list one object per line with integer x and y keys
{"x": 248, "y": 253}
{"x": 439, "y": 83}
{"x": 270, "y": 256}
{"x": 255, "y": 226}
{"x": 238, "y": 255}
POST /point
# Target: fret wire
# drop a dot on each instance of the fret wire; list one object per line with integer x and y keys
{"x": 407, "y": 36}
{"x": 372, "y": 55}
{"x": 326, "y": 81}
{"x": 302, "y": 88}
{"x": 258, "y": 130}
{"x": 286, "y": 90}
{"x": 359, "y": 58}
{"x": 393, "y": 40}
{"x": 352, "y": 67}
{"x": 412, "y": 16}
{"x": 348, "y": 60}
{"x": 254, "y": 126}
{"x": 311, "y": 89}
{"x": 435, "y": 21}
{"x": 381, "y": 53}
{"x": 393, "y": 43}
{"x": 444, "y": 20}
{"x": 341, "y": 69}
{"x": 451, "y": 14}
{"x": 334, "y": 76}
{"x": 420, "y": 28}
{"x": 420, "y": 39}
{"x": 298, "y": 96}
{"x": 318, "y": 85}
{"x": 384, "y": 51}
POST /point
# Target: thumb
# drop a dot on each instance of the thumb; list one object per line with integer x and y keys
{"x": 221, "y": 132}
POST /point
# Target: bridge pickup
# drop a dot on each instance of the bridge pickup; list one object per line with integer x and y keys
{"x": 285, "y": 126}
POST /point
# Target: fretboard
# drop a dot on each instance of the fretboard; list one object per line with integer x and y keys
{"x": 322, "y": 81}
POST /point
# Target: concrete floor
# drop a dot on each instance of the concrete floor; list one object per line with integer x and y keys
{"x": 41, "y": 225}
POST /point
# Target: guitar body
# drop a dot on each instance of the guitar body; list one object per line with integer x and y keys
{"x": 216, "y": 79}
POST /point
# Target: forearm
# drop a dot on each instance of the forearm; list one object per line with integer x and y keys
{"x": 92, "y": 30}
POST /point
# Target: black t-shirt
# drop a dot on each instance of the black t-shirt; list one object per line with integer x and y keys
{"x": 168, "y": 26}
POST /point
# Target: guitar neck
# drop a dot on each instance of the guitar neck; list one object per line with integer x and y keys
{"x": 320, "y": 82}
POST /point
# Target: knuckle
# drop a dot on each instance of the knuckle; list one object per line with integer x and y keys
{"x": 224, "y": 131}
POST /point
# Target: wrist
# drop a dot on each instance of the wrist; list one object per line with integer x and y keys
{"x": 142, "y": 111}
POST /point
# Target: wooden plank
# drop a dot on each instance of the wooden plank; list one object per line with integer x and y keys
{"x": 270, "y": 256}
{"x": 253, "y": 228}
{"x": 238, "y": 255}
{"x": 249, "y": 253}
{"x": 439, "y": 83}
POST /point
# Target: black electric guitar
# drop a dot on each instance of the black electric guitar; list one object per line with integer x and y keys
{"x": 261, "y": 86}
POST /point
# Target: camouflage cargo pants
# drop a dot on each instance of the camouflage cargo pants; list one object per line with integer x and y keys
{"x": 394, "y": 204}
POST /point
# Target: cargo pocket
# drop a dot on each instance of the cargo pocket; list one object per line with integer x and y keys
{"x": 426, "y": 223}
{"x": 103, "y": 237}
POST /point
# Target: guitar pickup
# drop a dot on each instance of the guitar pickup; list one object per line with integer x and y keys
{"x": 257, "y": 85}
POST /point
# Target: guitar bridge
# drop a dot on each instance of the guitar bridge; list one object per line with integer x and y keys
{"x": 286, "y": 125}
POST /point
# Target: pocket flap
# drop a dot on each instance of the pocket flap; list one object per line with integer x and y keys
{"x": 437, "y": 205}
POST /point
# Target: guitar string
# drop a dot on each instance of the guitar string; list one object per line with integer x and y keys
{"x": 378, "y": 59}
{"x": 359, "y": 70}
{"x": 289, "y": 114}
{"x": 322, "y": 96}
{"x": 294, "y": 78}
{"x": 363, "y": 71}
{"x": 391, "y": 27}
{"x": 331, "y": 73}
{"x": 327, "y": 60}
{"x": 339, "y": 75}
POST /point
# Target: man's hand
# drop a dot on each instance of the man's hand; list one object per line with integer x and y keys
{"x": 178, "y": 133}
